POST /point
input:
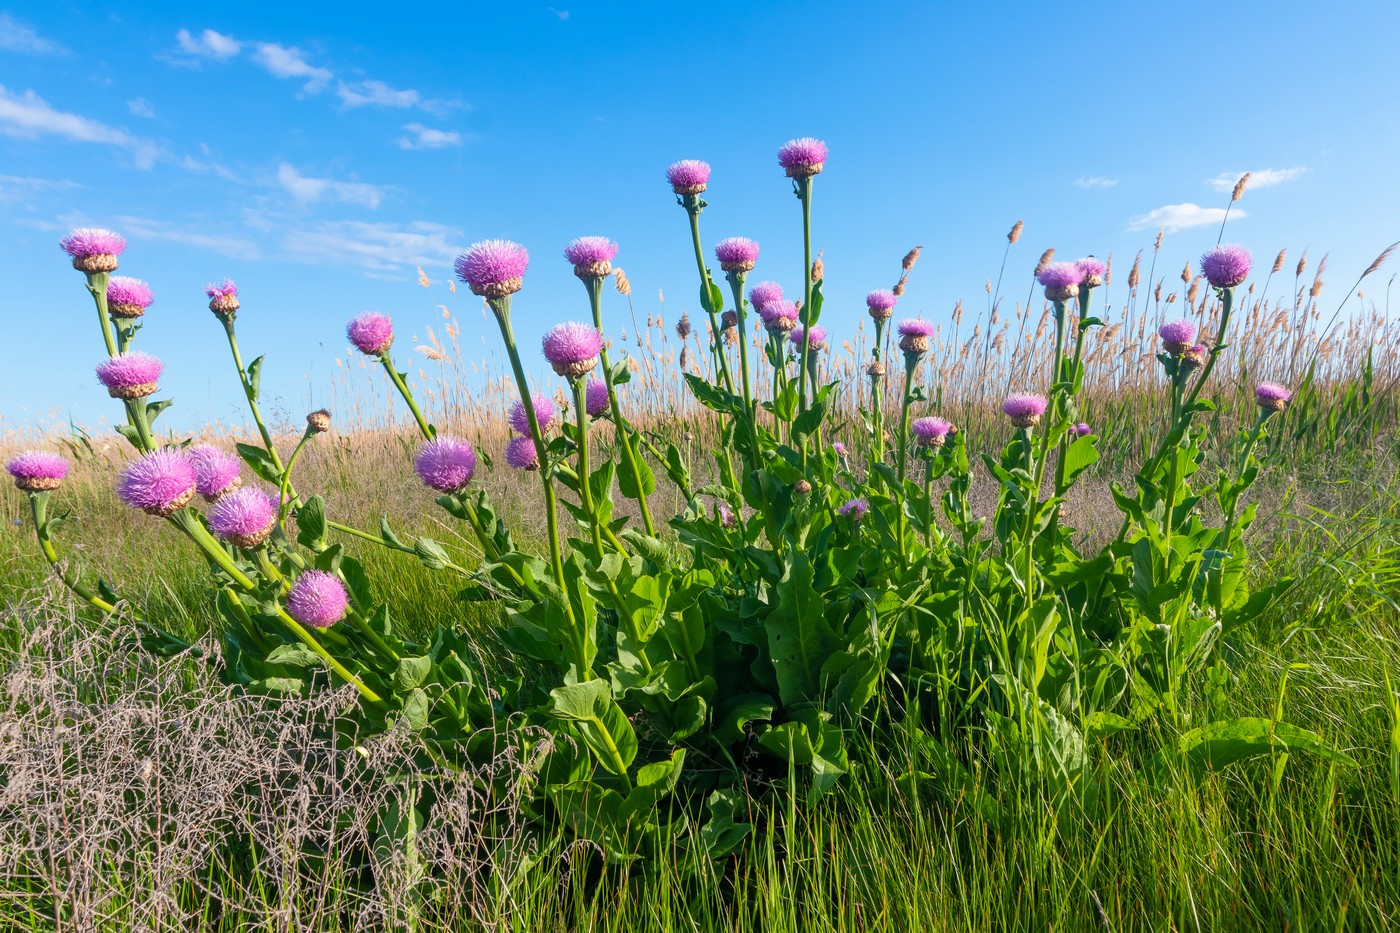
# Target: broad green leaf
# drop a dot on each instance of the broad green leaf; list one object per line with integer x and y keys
{"x": 311, "y": 523}
{"x": 604, "y": 727}
{"x": 798, "y": 634}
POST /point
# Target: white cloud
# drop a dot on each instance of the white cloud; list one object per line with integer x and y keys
{"x": 562, "y": 14}
{"x": 374, "y": 247}
{"x": 287, "y": 62}
{"x": 1095, "y": 181}
{"x": 425, "y": 137}
{"x": 15, "y": 189}
{"x": 198, "y": 235}
{"x": 308, "y": 189}
{"x": 208, "y": 44}
{"x": 29, "y": 116}
{"x": 140, "y": 107}
{"x": 17, "y": 37}
{"x": 1174, "y": 217}
{"x": 1260, "y": 178}
{"x": 377, "y": 93}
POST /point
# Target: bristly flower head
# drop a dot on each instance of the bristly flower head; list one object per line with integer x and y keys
{"x": 372, "y": 333}
{"x": 223, "y": 297}
{"x": 597, "y": 401}
{"x": 736, "y": 254}
{"x": 1091, "y": 271}
{"x": 130, "y": 375}
{"x": 244, "y": 517}
{"x": 318, "y": 421}
{"x": 688, "y": 176}
{"x": 802, "y": 158}
{"x": 493, "y": 268}
{"x": 816, "y": 342}
{"x": 160, "y": 483}
{"x": 931, "y": 432}
{"x": 522, "y": 455}
{"x": 1061, "y": 280}
{"x": 572, "y": 348}
{"x": 779, "y": 317}
{"x": 1177, "y": 336}
{"x": 765, "y": 293}
{"x": 93, "y": 249}
{"x": 520, "y": 421}
{"x": 1082, "y": 430}
{"x": 1025, "y": 409}
{"x": 445, "y": 463}
{"x": 855, "y": 509}
{"x": 914, "y": 334}
{"x": 881, "y": 304}
{"x": 215, "y": 471}
{"x": 128, "y": 297}
{"x": 1194, "y": 357}
{"x": 1226, "y": 266}
{"x": 839, "y": 447}
{"x": 591, "y": 256}
{"x": 37, "y": 470}
{"x": 318, "y": 599}
{"x": 1271, "y": 396}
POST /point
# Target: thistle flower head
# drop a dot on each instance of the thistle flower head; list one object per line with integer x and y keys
{"x": 520, "y": 421}
{"x": 522, "y": 455}
{"x": 914, "y": 334}
{"x": 736, "y": 254}
{"x": 727, "y": 518}
{"x": 932, "y": 431}
{"x": 572, "y": 348}
{"x": 223, "y": 297}
{"x": 128, "y": 297}
{"x": 445, "y": 463}
{"x": 1025, "y": 409}
{"x": 688, "y": 176}
{"x": 1194, "y": 357}
{"x": 779, "y": 317}
{"x": 93, "y": 249}
{"x": 1177, "y": 336}
{"x": 318, "y": 599}
{"x": 597, "y": 400}
{"x": 160, "y": 483}
{"x": 765, "y": 293}
{"x": 244, "y": 517}
{"x": 215, "y": 471}
{"x": 1271, "y": 397}
{"x": 802, "y": 158}
{"x": 839, "y": 447}
{"x": 855, "y": 509}
{"x": 881, "y": 304}
{"x": 729, "y": 320}
{"x": 493, "y": 268}
{"x": 816, "y": 341}
{"x": 591, "y": 256}
{"x": 37, "y": 470}
{"x": 1082, "y": 430}
{"x": 318, "y": 421}
{"x": 1091, "y": 271}
{"x": 372, "y": 333}
{"x": 1061, "y": 280}
{"x": 875, "y": 370}
{"x": 1226, "y": 266}
{"x": 130, "y": 375}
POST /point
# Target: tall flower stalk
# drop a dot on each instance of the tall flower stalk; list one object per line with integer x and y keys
{"x": 802, "y": 160}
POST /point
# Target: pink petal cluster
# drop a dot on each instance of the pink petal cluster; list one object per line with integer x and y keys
{"x": 916, "y": 327}
{"x": 215, "y": 471}
{"x": 572, "y": 348}
{"x": 855, "y": 509}
{"x": 736, "y": 254}
{"x": 521, "y": 454}
{"x": 727, "y": 518}
{"x": 130, "y": 375}
{"x": 225, "y": 289}
{"x": 1272, "y": 396}
{"x": 931, "y": 430}
{"x": 688, "y": 176}
{"x": 804, "y": 156}
{"x": 37, "y": 470}
{"x": 92, "y": 241}
{"x": 597, "y": 401}
{"x": 779, "y": 317}
{"x": 520, "y": 421}
{"x": 765, "y": 293}
{"x": 1060, "y": 275}
{"x": 817, "y": 340}
{"x": 318, "y": 599}
{"x": 1024, "y": 409}
{"x": 493, "y": 268}
{"x": 1177, "y": 335}
{"x": 590, "y": 249}
{"x": 1082, "y": 430}
{"x": 839, "y": 447}
{"x": 161, "y": 482}
{"x": 244, "y": 517}
{"x": 1226, "y": 266}
{"x": 882, "y": 299}
{"x": 372, "y": 333}
{"x": 445, "y": 463}
{"x": 128, "y": 297}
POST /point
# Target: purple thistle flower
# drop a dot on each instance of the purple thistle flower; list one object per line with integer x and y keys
{"x": 736, "y": 254}
{"x": 1226, "y": 266}
{"x": 1082, "y": 430}
{"x": 1061, "y": 280}
{"x": 1177, "y": 336}
{"x": 914, "y": 334}
{"x": 445, "y": 463}
{"x": 223, "y": 297}
{"x": 839, "y": 447}
{"x": 591, "y": 256}
{"x": 817, "y": 341}
{"x": 37, "y": 470}
{"x": 688, "y": 176}
{"x": 855, "y": 509}
{"x": 779, "y": 317}
{"x": 765, "y": 293}
{"x": 520, "y": 421}
{"x": 1271, "y": 397}
{"x": 130, "y": 375}
{"x": 493, "y": 268}
{"x": 244, "y": 517}
{"x": 93, "y": 249}
{"x": 372, "y": 333}
{"x": 1194, "y": 357}
{"x": 881, "y": 304}
{"x": 597, "y": 401}
{"x": 128, "y": 297}
{"x": 802, "y": 158}
{"x": 522, "y": 455}
{"x": 318, "y": 599}
{"x": 727, "y": 518}
{"x": 215, "y": 471}
{"x": 931, "y": 432}
{"x": 160, "y": 483}
{"x": 1024, "y": 409}
{"x": 572, "y": 348}
{"x": 1091, "y": 271}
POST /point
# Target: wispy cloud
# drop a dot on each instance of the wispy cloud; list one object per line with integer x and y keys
{"x": 208, "y": 44}
{"x": 15, "y": 189}
{"x": 309, "y": 190}
{"x": 29, "y": 116}
{"x": 1259, "y": 178}
{"x": 235, "y": 247}
{"x": 562, "y": 14}
{"x": 425, "y": 137}
{"x": 376, "y": 247}
{"x": 1095, "y": 181}
{"x": 1174, "y": 217}
{"x": 17, "y": 37}
{"x": 140, "y": 107}
{"x": 283, "y": 61}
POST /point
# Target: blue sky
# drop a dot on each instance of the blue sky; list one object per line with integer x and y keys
{"x": 319, "y": 156}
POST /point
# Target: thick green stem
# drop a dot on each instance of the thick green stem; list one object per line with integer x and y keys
{"x": 38, "y": 504}
{"x": 585, "y": 490}
{"x": 287, "y": 497}
{"x": 692, "y": 208}
{"x": 251, "y": 394}
{"x": 97, "y": 286}
{"x": 427, "y": 429}
{"x": 804, "y": 194}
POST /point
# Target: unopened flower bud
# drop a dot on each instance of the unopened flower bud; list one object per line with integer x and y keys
{"x": 319, "y": 421}
{"x": 802, "y": 487}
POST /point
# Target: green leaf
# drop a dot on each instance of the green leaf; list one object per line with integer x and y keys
{"x": 153, "y": 409}
{"x": 627, "y": 484}
{"x": 431, "y": 554}
{"x": 255, "y": 376}
{"x": 713, "y": 397}
{"x": 297, "y": 655}
{"x": 721, "y": 835}
{"x": 356, "y": 579}
{"x": 808, "y": 422}
{"x": 259, "y": 462}
{"x": 604, "y": 727}
{"x": 798, "y": 634}
{"x": 412, "y": 672}
{"x": 1079, "y": 456}
{"x": 1219, "y": 744}
{"x": 311, "y": 524}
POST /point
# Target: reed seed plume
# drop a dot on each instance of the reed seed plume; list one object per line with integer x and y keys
{"x": 1278, "y": 262}
{"x": 1239, "y": 188}
{"x": 1380, "y": 260}
{"x": 1015, "y": 233}
{"x": 1135, "y": 274}
{"x": 912, "y": 257}
{"x": 1046, "y": 258}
